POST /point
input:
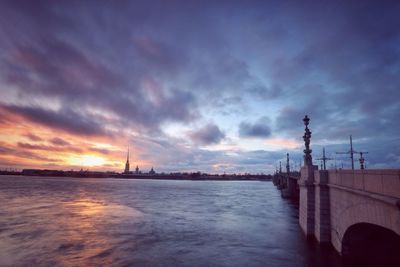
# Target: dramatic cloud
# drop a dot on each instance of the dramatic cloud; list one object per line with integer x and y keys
{"x": 64, "y": 119}
{"x": 258, "y": 129}
{"x": 59, "y": 142}
{"x": 48, "y": 148}
{"x": 33, "y": 137}
{"x": 105, "y": 75}
{"x": 209, "y": 134}
{"x": 24, "y": 154}
{"x": 100, "y": 150}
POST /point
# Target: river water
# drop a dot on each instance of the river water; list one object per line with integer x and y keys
{"x": 117, "y": 222}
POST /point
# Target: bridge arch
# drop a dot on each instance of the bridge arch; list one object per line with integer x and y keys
{"x": 371, "y": 244}
{"x": 355, "y": 209}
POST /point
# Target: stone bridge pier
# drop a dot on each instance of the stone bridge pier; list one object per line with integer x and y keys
{"x": 354, "y": 210}
{"x": 357, "y": 211}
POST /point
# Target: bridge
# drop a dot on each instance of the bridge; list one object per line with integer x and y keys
{"x": 356, "y": 211}
{"x": 287, "y": 183}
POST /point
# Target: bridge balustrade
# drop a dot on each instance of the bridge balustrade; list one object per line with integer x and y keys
{"x": 383, "y": 182}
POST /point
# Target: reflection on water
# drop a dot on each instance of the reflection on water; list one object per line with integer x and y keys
{"x": 80, "y": 222}
{"x": 92, "y": 208}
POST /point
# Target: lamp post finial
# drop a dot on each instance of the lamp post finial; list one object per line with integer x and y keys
{"x": 307, "y": 139}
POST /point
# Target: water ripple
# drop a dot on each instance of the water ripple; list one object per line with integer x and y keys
{"x": 111, "y": 222}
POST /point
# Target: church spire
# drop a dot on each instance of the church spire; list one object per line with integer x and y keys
{"x": 127, "y": 163}
{"x": 127, "y": 157}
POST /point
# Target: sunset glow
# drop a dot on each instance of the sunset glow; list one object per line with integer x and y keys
{"x": 87, "y": 160}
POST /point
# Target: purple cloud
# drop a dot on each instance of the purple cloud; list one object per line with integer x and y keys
{"x": 64, "y": 119}
{"x": 33, "y": 137}
{"x": 29, "y": 146}
{"x": 59, "y": 142}
{"x": 209, "y": 134}
{"x": 259, "y": 129}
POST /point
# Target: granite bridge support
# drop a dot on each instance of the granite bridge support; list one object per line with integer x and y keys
{"x": 354, "y": 210}
{"x": 287, "y": 184}
{"x": 334, "y": 202}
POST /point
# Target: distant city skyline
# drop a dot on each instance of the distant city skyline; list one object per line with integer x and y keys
{"x": 210, "y": 86}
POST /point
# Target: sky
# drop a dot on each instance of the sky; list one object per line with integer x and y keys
{"x": 210, "y": 86}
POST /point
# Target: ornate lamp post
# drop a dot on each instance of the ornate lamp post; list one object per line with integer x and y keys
{"x": 307, "y": 138}
{"x": 287, "y": 164}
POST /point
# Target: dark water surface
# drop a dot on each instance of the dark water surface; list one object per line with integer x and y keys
{"x": 116, "y": 222}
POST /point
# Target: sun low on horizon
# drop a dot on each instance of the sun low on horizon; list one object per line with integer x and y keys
{"x": 187, "y": 86}
{"x": 88, "y": 160}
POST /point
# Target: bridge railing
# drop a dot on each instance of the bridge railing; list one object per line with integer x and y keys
{"x": 384, "y": 182}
